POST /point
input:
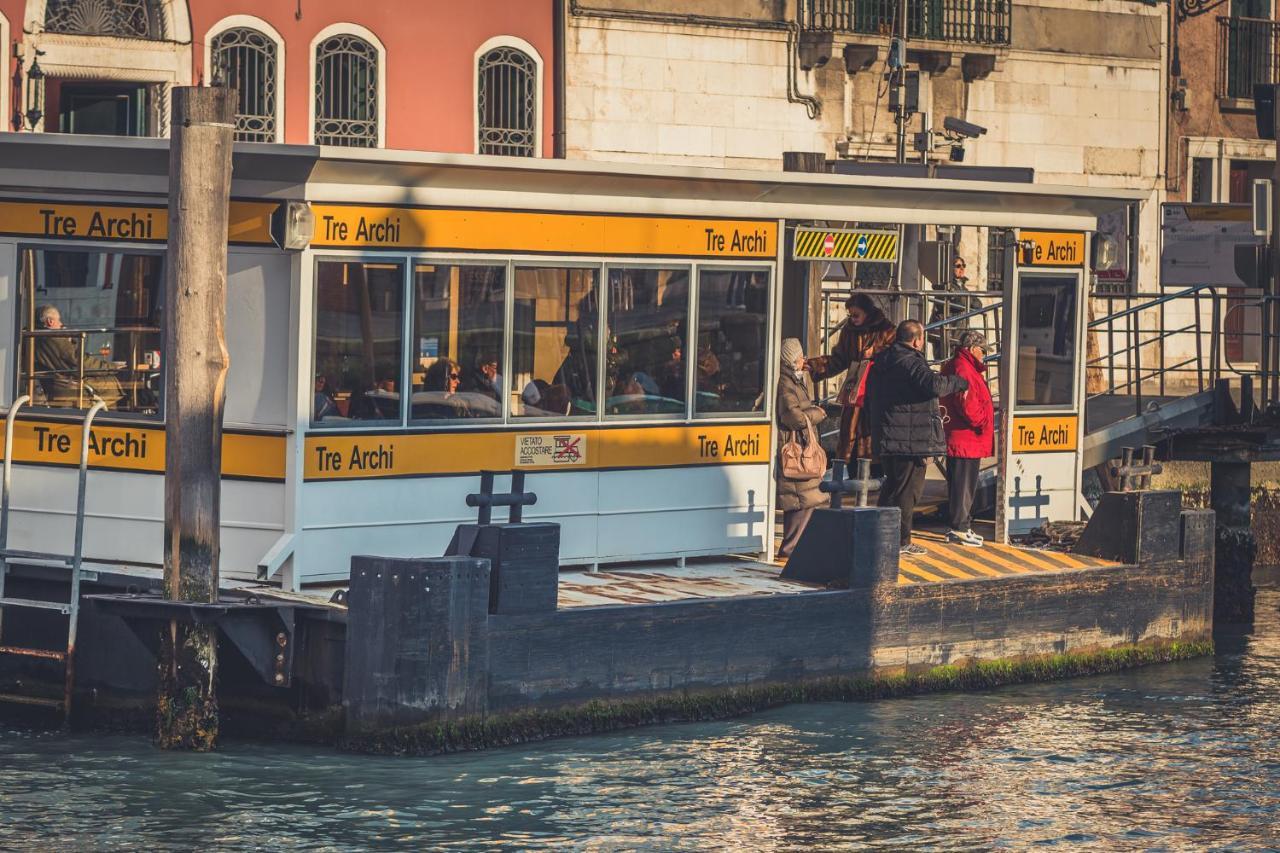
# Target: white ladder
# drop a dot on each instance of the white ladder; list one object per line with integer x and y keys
{"x": 69, "y": 608}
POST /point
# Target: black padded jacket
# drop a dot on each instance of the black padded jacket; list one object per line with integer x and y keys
{"x": 903, "y": 393}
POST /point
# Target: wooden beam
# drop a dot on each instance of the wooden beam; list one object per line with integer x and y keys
{"x": 196, "y": 361}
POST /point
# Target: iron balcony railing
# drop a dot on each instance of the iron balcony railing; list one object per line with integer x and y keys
{"x": 960, "y": 21}
{"x": 1247, "y": 49}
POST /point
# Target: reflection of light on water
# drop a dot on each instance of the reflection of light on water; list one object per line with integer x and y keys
{"x": 1176, "y": 757}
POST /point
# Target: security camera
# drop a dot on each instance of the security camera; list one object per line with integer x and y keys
{"x": 962, "y": 128}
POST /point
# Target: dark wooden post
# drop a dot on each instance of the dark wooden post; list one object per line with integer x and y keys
{"x": 195, "y": 392}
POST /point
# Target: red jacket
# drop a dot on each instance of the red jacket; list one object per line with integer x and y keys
{"x": 968, "y": 415}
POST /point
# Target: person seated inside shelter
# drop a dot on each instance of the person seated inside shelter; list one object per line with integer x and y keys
{"x": 483, "y": 377}
{"x": 325, "y": 407}
{"x": 439, "y": 398}
{"x": 60, "y": 363}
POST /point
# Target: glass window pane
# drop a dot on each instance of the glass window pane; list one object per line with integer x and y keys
{"x": 457, "y": 329}
{"x": 555, "y": 359}
{"x": 1047, "y": 340}
{"x": 91, "y": 323}
{"x": 359, "y": 324}
{"x": 733, "y": 311}
{"x": 648, "y": 323}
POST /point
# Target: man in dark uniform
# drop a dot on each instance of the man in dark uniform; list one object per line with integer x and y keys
{"x": 906, "y": 426}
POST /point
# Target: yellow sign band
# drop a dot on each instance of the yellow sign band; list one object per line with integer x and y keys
{"x": 576, "y": 447}
{"x": 250, "y": 221}
{"x": 1045, "y": 434}
{"x": 356, "y": 226}
{"x": 1052, "y": 248}
{"x": 251, "y": 456}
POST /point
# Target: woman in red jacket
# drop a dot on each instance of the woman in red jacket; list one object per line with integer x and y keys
{"x": 969, "y": 422}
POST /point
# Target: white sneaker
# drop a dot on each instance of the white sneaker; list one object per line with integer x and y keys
{"x": 965, "y": 537}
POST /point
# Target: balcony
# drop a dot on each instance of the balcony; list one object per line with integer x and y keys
{"x": 1246, "y": 56}
{"x": 957, "y": 21}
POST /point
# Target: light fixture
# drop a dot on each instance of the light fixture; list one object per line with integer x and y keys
{"x": 35, "y": 91}
{"x": 293, "y": 225}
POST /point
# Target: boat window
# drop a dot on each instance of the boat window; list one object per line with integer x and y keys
{"x": 457, "y": 331}
{"x": 729, "y": 365}
{"x": 648, "y": 322}
{"x": 554, "y": 363}
{"x": 1047, "y": 340}
{"x": 90, "y": 324}
{"x": 358, "y": 348}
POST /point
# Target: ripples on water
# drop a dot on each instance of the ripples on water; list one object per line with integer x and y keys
{"x": 1182, "y": 756}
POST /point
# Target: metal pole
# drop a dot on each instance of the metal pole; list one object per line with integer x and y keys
{"x": 77, "y": 557}
{"x": 902, "y": 85}
{"x": 9, "y": 421}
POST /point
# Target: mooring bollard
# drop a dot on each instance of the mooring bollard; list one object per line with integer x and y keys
{"x": 1136, "y": 477}
{"x": 524, "y": 557}
{"x": 839, "y": 486}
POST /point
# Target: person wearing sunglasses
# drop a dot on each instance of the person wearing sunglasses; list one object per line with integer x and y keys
{"x": 439, "y": 395}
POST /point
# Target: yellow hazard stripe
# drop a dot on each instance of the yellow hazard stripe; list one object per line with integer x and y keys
{"x": 875, "y": 245}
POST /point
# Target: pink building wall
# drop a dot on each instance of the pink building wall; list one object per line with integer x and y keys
{"x": 430, "y": 58}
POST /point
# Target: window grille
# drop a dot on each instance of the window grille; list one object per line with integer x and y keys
{"x": 347, "y": 92}
{"x": 137, "y": 19}
{"x": 245, "y": 59}
{"x": 507, "y": 102}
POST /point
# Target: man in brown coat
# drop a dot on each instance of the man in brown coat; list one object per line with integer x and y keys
{"x": 58, "y": 364}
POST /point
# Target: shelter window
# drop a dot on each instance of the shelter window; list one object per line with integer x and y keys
{"x": 555, "y": 358}
{"x": 458, "y": 314}
{"x": 733, "y": 326}
{"x": 90, "y": 324}
{"x": 648, "y": 323}
{"x": 1047, "y": 339}
{"x": 246, "y": 60}
{"x": 346, "y": 92}
{"x": 507, "y": 102}
{"x": 358, "y": 346}
{"x": 138, "y": 19}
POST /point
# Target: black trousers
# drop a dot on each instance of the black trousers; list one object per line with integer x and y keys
{"x": 962, "y": 485}
{"x": 903, "y": 486}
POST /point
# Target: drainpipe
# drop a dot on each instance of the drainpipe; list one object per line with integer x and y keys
{"x": 558, "y": 81}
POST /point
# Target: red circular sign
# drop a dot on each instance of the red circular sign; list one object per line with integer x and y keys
{"x": 829, "y": 244}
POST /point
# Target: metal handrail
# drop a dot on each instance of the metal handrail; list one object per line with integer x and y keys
{"x": 1156, "y": 299}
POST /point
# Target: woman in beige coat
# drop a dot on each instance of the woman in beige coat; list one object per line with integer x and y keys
{"x": 795, "y": 411}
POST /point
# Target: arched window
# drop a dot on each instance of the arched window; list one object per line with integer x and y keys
{"x": 346, "y": 92}
{"x": 136, "y": 19}
{"x": 507, "y": 102}
{"x": 247, "y": 59}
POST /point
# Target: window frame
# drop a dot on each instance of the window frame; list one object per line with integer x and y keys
{"x": 557, "y": 263}
{"x": 77, "y": 414}
{"x": 687, "y": 266}
{"x": 507, "y": 335}
{"x": 512, "y": 261}
{"x": 770, "y": 355}
{"x": 527, "y": 49}
{"x": 404, "y": 373}
{"x": 348, "y": 29}
{"x": 252, "y": 22}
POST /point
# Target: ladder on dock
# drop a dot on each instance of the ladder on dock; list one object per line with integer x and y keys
{"x": 69, "y": 608}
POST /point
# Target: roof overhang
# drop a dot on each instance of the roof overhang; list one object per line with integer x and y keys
{"x": 53, "y": 164}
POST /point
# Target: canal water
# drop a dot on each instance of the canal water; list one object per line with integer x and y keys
{"x": 1180, "y": 756}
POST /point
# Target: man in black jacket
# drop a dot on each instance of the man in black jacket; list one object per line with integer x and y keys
{"x": 906, "y": 426}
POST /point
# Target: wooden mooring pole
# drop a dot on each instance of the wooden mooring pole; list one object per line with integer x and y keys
{"x": 194, "y": 395}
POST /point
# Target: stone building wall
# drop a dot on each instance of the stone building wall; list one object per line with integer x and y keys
{"x": 1077, "y": 95}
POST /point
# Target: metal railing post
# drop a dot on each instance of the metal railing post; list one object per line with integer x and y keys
{"x": 7, "y": 485}
{"x": 78, "y": 554}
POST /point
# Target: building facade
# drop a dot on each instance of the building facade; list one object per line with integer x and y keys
{"x": 1220, "y": 52}
{"x": 397, "y": 75}
{"x": 1073, "y": 89}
